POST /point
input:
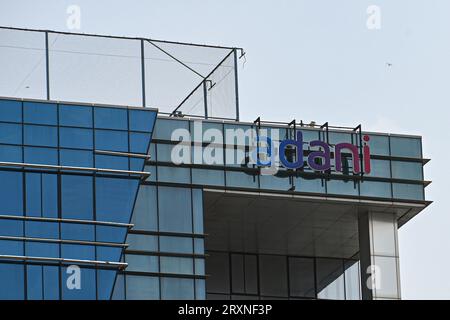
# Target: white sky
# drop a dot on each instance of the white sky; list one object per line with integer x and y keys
{"x": 316, "y": 60}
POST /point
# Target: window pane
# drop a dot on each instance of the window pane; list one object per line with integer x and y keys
{"x": 407, "y": 170}
{"x": 175, "y": 244}
{"x": 165, "y": 127}
{"x": 111, "y": 140}
{"x": 11, "y": 192}
{"x": 217, "y": 266}
{"x": 141, "y": 120}
{"x": 75, "y": 138}
{"x": 330, "y": 279}
{"x": 10, "y": 110}
{"x": 76, "y": 158}
{"x": 388, "y": 288}
{"x": 277, "y": 182}
{"x": 37, "y": 155}
{"x": 177, "y": 289}
{"x": 237, "y": 273}
{"x": 380, "y": 168}
{"x": 77, "y": 197}
{"x": 408, "y": 191}
{"x": 273, "y": 275}
{"x": 174, "y": 174}
{"x": 175, "y": 209}
{"x": 375, "y": 189}
{"x": 111, "y": 162}
{"x": 142, "y": 263}
{"x": 10, "y": 153}
{"x": 301, "y": 277}
{"x": 75, "y": 231}
{"x": 208, "y": 177}
{"x": 34, "y": 283}
{"x": 142, "y": 288}
{"x": 139, "y": 142}
{"x": 379, "y": 145}
{"x": 111, "y": 118}
{"x": 10, "y": 133}
{"x": 51, "y": 282}
{"x": 12, "y": 277}
{"x": 197, "y": 207}
{"x": 39, "y": 113}
{"x": 115, "y": 198}
{"x": 76, "y": 116}
{"x": 40, "y": 136}
{"x": 242, "y": 179}
{"x": 177, "y": 265}
{"x": 304, "y": 184}
{"x": 352, "y": 280}
{"x": 346, "y": 187}
{"x": 142, "y": 242}
{"x": 406, "y": 147}
{"x": 145, "y": 211}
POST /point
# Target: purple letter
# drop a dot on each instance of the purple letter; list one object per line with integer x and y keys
{"x": 338, "y": 157}
{"x": 325, "y": 154}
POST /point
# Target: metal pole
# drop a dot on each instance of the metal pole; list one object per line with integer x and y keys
{"x": 143, "y": 73}
{"x": 47, "y": 65}
{"x": 236, "y": 83}
{"x": 205, "y": 97}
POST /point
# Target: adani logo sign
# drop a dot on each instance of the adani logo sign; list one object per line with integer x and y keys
{"x": 290, "y": 154}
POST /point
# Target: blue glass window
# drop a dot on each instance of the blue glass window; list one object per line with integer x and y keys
{"x": 174, "y": 174}
{"x": 111, "y": 162}
{"x": 111, "y": 140}
{"x": 142, "y": 288}
{"x": 34, "y": 283}
{"x": 10, "y": 133}
{"x": 136, "y": 164}
{"x": 41, "y": 195}
{"x": 199, "y": 266}
{"x": 76, "y": 116}
{"x": 174, "y": 216}
{"x": 12, "y": 193}
{"x": 10, "y": 111}
{"x": 12, "y": 278}
{"x": 73, "y": 189}
{"x": 9, "y": 247}
{"x": 314, "y": 185}
{"x": 145, "y": 211}
{"x": 275, "y": 182}
{"x": 380, "y": 168}
{"x": 199, "y": 246}
{"x": 42, "y": 249}
{"x": 142, "y": 263}
{"x": 139, "y": 142}
{"x": 177, "y": 289}
{"x": 76, "y": 158}
{"x": 77, "y": 251}
{"x": 10, "y": 153}
{"x": 87, "y": 288}
{"x": 11, "y": 227}
{"x": 197, "y": 210}
{"x": 375, "y": 189}
{"x": 75, "y": 231}
{"x": 115, "y": 198}
{"x": 37, "y": 155}
{"x": 406, "y": 147}
{"x": 241, "y": 179}
{"x": 142, "y": 120}
{"x": 75, "y": 138}
{"x": 110, "y": 118}
{"x": 175, "y": 244}
{"x": 408, "y": 191}
{"x": 379, "y": 144}
{"x": 40, "y": 136}
{"x": 39, "y": 229}
{"x": 142, "y": 242}
{"x": 346, "y": 187}
{"x": 165, "y": 127}
{"x": 111, "y": 234}
{"x": 39, "y": 113}
{"x": 105, "y": 283}
{"x": 176, "y": 265}
{"x": 51, "y": 282}
{"x": 208, "y": 177}
{"x": 407, "y": 170}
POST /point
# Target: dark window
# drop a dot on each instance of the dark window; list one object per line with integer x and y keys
{"x": 141, "y": 120}
{"x": 10, "y": 111}
{"x": 111, "y": 140}
{"x": 76, "y": 116}
{"x": 39, "y": 113}
{"x": 301, "y": 277}
{"x": 273, "y": 275}
{"x": 40, "y": 136}
{"x": 73, "y": 189}
{"x": 175, "y": 209}
{"x": 110, "y": 118}
{"x": 76, "y": 138}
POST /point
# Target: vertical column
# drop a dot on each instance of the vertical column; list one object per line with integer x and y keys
{"x": 379, "y": 255}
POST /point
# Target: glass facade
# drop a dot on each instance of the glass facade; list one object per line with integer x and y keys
{"x": 93, "y": 207}
{"x": 67, "y": 196}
